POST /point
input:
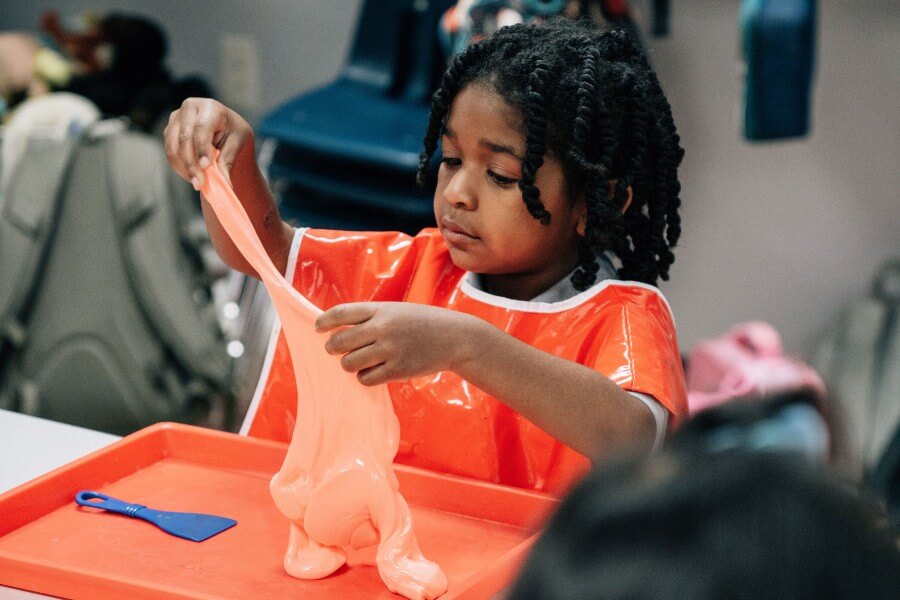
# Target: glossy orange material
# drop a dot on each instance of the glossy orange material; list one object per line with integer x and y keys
{"x": 622, "y": 329}
{"x": 478, "y": 532}
{"x": 336, "y": 485}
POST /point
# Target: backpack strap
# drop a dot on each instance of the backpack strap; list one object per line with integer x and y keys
{"x": 887, "y": 282}
{"x": 174, "y": 303}
{"x": 885, "y": 416}
{"x": 27, "y": 222}
{"x": 885, "y": 476}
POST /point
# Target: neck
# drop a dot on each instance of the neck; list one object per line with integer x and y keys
{"x": 527, "y": 285}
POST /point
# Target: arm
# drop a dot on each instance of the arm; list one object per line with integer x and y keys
{"x": 571, "y": 402}
{"x": 388, "y": 341}
{"x": 194, "y": 132}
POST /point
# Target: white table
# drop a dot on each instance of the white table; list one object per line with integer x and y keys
{"x": 30, "y": 447}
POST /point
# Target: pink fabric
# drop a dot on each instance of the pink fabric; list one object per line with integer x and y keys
{"x": 748, "y": 361}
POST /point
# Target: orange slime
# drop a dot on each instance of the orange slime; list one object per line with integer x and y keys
{"x": 337, "y": 485}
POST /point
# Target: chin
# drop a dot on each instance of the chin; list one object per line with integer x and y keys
{"x": 466, "y": 261}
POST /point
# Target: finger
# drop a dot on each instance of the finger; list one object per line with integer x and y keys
{"x": 374, "y": 375}
{"x": 364, "y": 358}
{"x": 345, "y": 314}
{"x": 350, "y": 339}
{"x": 229, "y": 144}
{"x": 173, "y": 150}
{"x": 210, "y": 120}
{"x": 186, "y": 151}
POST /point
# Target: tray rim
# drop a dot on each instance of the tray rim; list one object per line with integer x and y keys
{"x": 153, "y": 444}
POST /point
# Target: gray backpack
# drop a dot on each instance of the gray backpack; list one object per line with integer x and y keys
{"x": 859, "y": 359}
{"x": 106, "y": 317}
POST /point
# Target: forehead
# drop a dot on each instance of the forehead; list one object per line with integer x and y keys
{"x": 479, "y": 111}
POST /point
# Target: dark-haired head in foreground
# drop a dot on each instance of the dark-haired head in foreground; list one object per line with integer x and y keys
{"x": 732, "y": 525}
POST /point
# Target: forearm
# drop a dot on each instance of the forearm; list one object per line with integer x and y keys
{"x": 573, "y": 403}
{"x": 253, "y": 192}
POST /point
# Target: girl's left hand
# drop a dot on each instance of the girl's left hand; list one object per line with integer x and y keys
{"x": 387, "y": 341}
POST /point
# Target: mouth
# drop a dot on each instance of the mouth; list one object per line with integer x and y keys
{"x": 452, "y": 226}
{"x": 455, "y": 234}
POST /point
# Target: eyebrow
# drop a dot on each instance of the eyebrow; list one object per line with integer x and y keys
{"x": 490, "y": 145}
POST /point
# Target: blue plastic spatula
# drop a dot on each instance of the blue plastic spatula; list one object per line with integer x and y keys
{"x": 190, "y": 526}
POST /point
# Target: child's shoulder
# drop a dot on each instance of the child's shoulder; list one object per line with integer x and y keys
{"x": 429, "y": 235}
{"x": 349, "y": 248}
{"x": 633, "y": 291}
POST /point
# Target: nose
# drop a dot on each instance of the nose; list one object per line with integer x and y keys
{"x": 459, "y": 191}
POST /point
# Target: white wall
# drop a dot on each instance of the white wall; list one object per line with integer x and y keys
{"x": 786, "y": 232}
{"x": 790, "y": 231}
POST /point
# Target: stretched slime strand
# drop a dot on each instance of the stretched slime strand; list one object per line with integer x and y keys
{"x": 336, "y": 485}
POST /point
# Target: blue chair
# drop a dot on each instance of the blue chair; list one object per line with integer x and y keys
{"x": 347, "y": 153}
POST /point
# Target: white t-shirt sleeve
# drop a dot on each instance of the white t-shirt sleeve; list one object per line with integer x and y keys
{"x": 660, "y": 415}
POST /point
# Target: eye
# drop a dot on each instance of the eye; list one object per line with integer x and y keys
{"x": 501, "y": 180}
{"x": 450, "y": 161}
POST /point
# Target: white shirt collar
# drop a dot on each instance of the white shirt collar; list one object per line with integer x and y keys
{"x": 562, "y": 289}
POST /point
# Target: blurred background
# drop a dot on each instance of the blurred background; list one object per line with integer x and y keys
{"x": 784, "y": 231}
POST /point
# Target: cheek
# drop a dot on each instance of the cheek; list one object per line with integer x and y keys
{"x": 512, "y": 226}
{"x": 439, "y": 188}
{"x": 437, "y": 202}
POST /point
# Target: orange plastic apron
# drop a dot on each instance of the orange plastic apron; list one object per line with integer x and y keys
{"x": 624, "y": 330}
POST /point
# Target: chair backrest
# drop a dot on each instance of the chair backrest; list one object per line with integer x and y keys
{"x": 396, "y": 48}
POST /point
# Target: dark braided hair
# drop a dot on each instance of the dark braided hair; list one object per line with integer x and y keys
{"x": 590, "y": 99}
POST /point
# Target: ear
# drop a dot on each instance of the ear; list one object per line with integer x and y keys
{"x": 628, "y": 199}
{"x": 612, "y": 191}
{"x": 581, "y": 217}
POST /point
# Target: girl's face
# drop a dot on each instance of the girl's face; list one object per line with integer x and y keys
{"x": 479, "y": 208}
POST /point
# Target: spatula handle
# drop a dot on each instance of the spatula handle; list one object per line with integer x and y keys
{"x": 109, "y": 503}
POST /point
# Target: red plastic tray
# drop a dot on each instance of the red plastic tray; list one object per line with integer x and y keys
{"x": 477, "y": 532}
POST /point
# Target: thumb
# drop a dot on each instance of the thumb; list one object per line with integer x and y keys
{"x": 228, "y": 146}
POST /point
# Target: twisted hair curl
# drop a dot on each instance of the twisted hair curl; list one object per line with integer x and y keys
{"x": 591, "y": 99}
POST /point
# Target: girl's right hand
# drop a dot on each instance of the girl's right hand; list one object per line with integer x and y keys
{"x": 196, "y": 129}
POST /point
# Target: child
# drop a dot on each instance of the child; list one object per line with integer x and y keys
{"x": 737, "y": 524}
{"x": 511, "y": 351}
